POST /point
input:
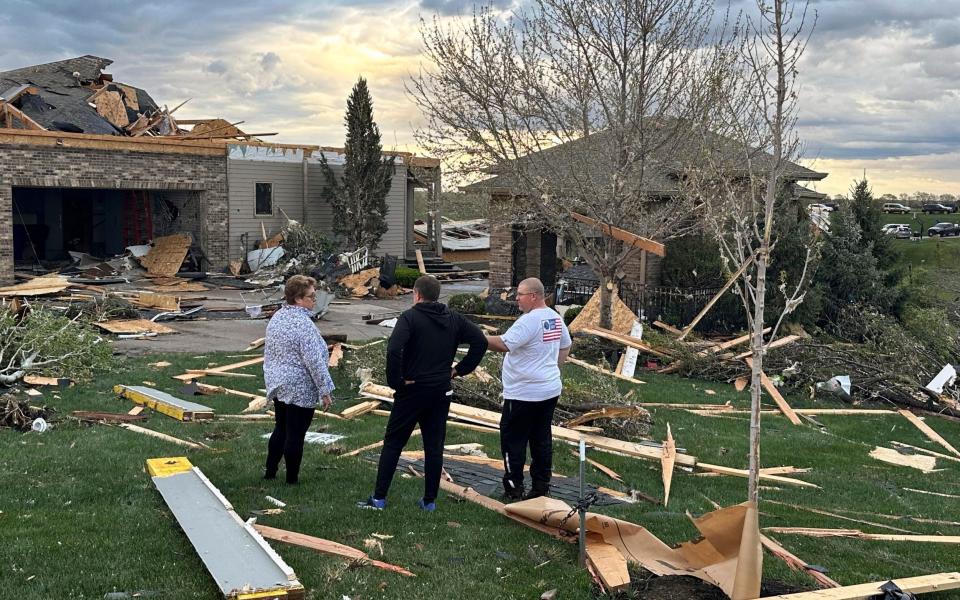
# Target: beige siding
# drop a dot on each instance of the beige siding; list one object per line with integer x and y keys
{"x": 320, "y": 213}
{"x": 287, "y": 180}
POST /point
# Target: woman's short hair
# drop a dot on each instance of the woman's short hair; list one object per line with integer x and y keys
{"x": 297, "y": 287}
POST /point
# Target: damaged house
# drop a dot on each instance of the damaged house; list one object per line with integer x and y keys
{"x": 519, "y": 250}
{"x": 93, "y": 165}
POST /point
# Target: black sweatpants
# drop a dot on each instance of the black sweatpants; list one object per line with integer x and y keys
{"x": 525, "y": 422}
{"x": 428, "y": 408}
{"x": 286, "y": 441}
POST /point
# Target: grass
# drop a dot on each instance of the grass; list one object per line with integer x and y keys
{"x": 80, "y": 517}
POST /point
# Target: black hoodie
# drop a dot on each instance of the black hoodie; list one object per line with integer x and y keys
{"x": 424, "y": 344}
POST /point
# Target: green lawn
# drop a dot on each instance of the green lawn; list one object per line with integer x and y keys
{"x": 919, "y": 220}
{"x": 80, "y": 517}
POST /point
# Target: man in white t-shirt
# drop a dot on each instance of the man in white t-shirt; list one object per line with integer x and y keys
{"x": 536, "y": 345}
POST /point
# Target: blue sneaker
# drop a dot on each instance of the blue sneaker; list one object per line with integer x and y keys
{"x": 426, "y": 506}
{"x": 373, "y": 503}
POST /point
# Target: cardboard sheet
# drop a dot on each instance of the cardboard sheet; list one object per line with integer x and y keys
{"x": 621, "y": 316}
{"x": 728, "y": 555}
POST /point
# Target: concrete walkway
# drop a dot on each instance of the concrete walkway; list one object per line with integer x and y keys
{"x": 233, "y": 335}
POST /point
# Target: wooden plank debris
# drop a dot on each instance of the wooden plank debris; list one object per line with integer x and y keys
{"x": 39, "y": 286}
{"x": 47, "y": 381}
{"x": 106, "y": 417}
{"x": 223, "y": 369}
{"x": 359, "y": 409}
{"x": 420, "y": 265}
{"x": 257, "y": 343}
{"x": 940, "y": 494}
{"x": 763, "y": 476}
{"x": 836, "y": 516}
{"x": 626, "y": 341}
{"x": 167, "y": 254}
{"x": 373, "y": 445}
{"x": 925, "y": 451}
{"x": 213, "y": 373}
{"x": 667, "y": 327}
{"x": 584, "y": 364}
{"x": 327, "y": 547}
{"x": 733, "y": 278}
{"x": 775, "y": 394}
{"x": 667, "y": 461}
{"x": 621, "y": 317}
{"x": 778, "y": 343}
{"x": 631, "y": 239}
{"x": 133, "y": 326}
{"x": 609, "y": 563}
{"x": 864, "y": 591}
{"x": 922, "y": 462}
{"x": 601, "y": 467}
{"x": 336, "y": 355}
{"x": 160, "y": 301}
{"x": 796, "y": 563}
{"x": 163, "y": 436}
{"x": 928, "y": 431}
{"x": 609, "y": 412}
{"x": 856, "y": 533}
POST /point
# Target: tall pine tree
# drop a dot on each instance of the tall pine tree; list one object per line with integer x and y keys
{"x": 868, "y": 217}
{"x": 359, "y": 197}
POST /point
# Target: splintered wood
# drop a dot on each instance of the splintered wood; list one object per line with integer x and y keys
{"x": 167, "y": 254}
{"x": 39, "y": 286}
{"x": 128, "y": 326}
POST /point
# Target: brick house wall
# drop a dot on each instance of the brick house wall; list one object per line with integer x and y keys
{"x": 203, "y": 177}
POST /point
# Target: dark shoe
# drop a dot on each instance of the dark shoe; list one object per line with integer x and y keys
{"x": 536, "y": 492}
{"x": 512, "y": 494}
{"x": 373, "y": 503}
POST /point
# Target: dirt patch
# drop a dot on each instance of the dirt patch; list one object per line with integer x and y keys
{"x": 647, "y": 586}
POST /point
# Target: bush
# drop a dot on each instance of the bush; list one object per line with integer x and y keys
{"x": 406, "y": 276}
{"x": 571, "y": 313}
{"x": 467, "y": 304}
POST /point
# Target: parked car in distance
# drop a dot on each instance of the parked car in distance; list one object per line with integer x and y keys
{"x": 891, "y": 228}
{"x": 937, "y": 208}
{"x": 818, "y": 208}
{"x": 895, "y": 208}
{"x": 902, "y": 232}
{"x": 831, "y": 205}
{"x": 944, "y": 229}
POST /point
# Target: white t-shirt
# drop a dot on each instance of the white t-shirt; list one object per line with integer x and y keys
{"x": 530, "y": 370}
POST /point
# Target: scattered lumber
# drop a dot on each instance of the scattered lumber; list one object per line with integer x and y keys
{"x": 775, "y": 394}
{"x": 667, "y": 460}
{"x": 928, "y": 431}
{"x": 864, "y": 591}
{"x": 763, "y": 476}
{"x": 492, "y": 419}
{"x": 106, "y": 417}
{"x": 856, "y": 533}
{"x": 600, "y": 467}
{"x": 796, "y": 563}
{"x": 223, "y": 369}
{"x": 39, "y": 286}
{"x": 774, "y": 344}
{"x": 630, "y": 239}
{"x": 610, "y": 412}
{"x": 925, "y": 451}
{"x": 213, "y": 373}
{"x": 159, "y": 301}
{"x": 667, "y": 327}
{"x": 257, "y": 343}
{"x": 940, "y": 494}
{"x": 924, "y": 463}
{"x": 326, "y": 547}
{"x": 359, "y": 409}
{"x": 610, "y": 565}
{"x": 733, "y": 278}
{"x": 596, "y": 369}
{"x": 167, "y": 254}
{"x": 836, "y": 516}
{"x": 162, "y": 436}
{"x": 373, "y": 445}
{"x": 47, "y": 381}
{"x": 626, "y": 341}
{"x": 420, "y": 265}
{"x": 336, "y": 355}
{"x": 134, "y": 326}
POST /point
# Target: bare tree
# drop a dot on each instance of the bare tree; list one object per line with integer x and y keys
{"x": 747, "y": 172}
{"x": 578, "y": 106}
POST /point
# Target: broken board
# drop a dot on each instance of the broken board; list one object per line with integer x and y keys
{"x": 162, "y": 402}
{"x": 39, "y": 286}
{"x": 236, "y": 556}
{"x": 167, "y": 254}
{"x": 133, "y": 326}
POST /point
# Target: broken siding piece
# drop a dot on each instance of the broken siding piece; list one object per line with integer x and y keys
{"x": 240, "y": 561}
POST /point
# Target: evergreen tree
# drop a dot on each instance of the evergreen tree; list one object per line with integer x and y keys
{"x": 867, "y": 214}
{"x": 359, "y": 197}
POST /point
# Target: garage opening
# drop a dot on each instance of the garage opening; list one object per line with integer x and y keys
{"x": 48, "y": 223}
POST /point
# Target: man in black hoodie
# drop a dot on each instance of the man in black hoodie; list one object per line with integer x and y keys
{"x": 419, "y": 354}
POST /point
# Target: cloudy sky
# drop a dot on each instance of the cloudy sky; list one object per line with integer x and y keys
{"x": 880, "y": 79}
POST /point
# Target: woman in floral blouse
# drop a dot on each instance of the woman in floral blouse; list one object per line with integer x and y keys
{"x": 295, "y": 373}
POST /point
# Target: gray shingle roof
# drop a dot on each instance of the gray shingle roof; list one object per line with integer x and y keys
{"x": 65, "y": 96}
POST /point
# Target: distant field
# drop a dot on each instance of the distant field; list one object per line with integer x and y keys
{"x": 939, "y": 253}
{"x": 920, "y": 220}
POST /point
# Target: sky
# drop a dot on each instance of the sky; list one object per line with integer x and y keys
{"x": 879, "y": 82}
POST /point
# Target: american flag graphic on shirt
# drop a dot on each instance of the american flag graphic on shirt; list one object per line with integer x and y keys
{"x": 552, "y": 329}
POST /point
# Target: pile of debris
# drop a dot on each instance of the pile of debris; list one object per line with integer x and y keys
{"x": 20, "y": 415}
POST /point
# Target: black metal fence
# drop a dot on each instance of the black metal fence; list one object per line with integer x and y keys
{"x": 676, "y": 306}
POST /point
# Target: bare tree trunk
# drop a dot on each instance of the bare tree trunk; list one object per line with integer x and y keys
{"x": 606, "y": 301}
{"x": 756, "y": 344}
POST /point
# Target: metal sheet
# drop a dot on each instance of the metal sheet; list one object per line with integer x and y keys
{"x": 233, "y": 556}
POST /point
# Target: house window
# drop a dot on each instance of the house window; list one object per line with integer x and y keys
{"x": 264, "y": 199}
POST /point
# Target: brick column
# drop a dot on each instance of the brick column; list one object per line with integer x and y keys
{"x": 501, "y": 243}
{"x": 6, "y": 233}
{"x": 214, "y": 229}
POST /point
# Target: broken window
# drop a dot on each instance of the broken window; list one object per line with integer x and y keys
{"x": 264, "y": 198}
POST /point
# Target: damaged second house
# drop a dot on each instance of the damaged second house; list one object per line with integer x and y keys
{"x": 92, "y": 165}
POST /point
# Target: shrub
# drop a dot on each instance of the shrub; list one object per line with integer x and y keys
{"x": 406, "y": 276}
{"x": 467, "y": 304}
{"x": 571, "y": 313}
